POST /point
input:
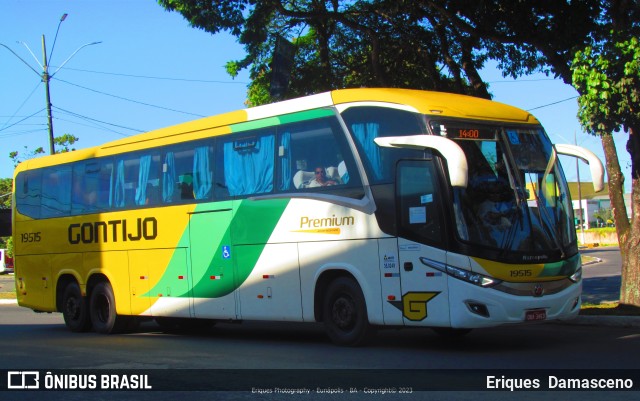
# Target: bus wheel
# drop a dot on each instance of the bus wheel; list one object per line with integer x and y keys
{"x": 75, "y": 309}
{"x": 102, "y": 308}
{"x": 345, "y": 313}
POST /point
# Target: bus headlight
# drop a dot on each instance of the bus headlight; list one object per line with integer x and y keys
{"x": 465, "y": 275}
{"x": 577, "y": 276}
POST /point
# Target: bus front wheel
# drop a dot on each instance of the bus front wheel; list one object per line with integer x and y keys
{"x": 345, "y": 313}
{"x": 75, "y": 309}
{"x": 102, "y": 308}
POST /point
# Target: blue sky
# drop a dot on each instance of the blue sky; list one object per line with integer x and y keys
{"x": 153, "y": 70}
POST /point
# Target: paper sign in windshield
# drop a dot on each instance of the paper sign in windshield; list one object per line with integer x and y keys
{"x": 417, "y": 215}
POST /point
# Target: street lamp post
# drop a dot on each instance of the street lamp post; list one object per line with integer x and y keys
{"x": 46, "y": 77}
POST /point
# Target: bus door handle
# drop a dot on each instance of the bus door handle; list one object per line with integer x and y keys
{"x": 408, "y": 266}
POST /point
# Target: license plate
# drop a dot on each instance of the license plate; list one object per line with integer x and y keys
{"x": 533, "y": 315}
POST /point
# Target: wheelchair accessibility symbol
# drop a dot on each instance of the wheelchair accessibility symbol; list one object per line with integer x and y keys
{"x": 226, "y": 252}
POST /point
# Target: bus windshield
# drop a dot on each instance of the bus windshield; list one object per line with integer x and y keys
{"x": 516, "y": 199}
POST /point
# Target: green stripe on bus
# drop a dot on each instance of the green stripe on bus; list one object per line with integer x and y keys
{"x": 252, "y": 223}
{"x": 562, "y": 268}
{"x": 306, "y": 115}
{"x": 257, "y": 124}
{"x": 285, "y": 119}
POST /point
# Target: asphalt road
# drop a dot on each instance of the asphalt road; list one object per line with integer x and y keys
{"x": 601, "y": 280}
{"x": 301, "y": 353}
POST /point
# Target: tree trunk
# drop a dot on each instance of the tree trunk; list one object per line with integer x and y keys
{"x": 629, "y": 251}
{"x": 630, "y": 286}
{"x": 616, "y": 188}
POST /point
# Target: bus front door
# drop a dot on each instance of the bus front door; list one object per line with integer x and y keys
{"x": 212, "y": 266}
{"x": 420, "y": 222}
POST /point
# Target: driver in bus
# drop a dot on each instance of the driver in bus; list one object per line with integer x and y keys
{"x": 321, "y": 179}
{"x": 496, "y": 211}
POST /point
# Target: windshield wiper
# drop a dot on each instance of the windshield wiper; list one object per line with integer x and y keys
{"x": 547, "y": 221}
{"x": 519, "y": 191}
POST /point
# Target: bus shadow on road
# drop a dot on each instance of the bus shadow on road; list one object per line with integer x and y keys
{"x": 501, "y": 339}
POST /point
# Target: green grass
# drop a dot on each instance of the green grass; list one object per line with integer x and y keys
{"x": 603, "y": 230}
{"x": 609, "y": 309}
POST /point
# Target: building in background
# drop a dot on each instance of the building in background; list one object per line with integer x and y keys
{"x": 586, "y": 201}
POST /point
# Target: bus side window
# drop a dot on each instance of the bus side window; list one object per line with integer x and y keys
{"x": 84, "y": 195}
{"x": 135, "y": 174}
{"x": 178, "y": 179}
{"x": 309, "y": 146}
{"x": 245, "y": 164}
{"x": 202, "y": 172}
{"x": 131, "y": 169}
{"x": 56, "y": 191}
{"x": 187, "y": 173}
{"x": 419, "y": 206}
{"x": 28, "y": 186}
{"x": 367, "y": 123}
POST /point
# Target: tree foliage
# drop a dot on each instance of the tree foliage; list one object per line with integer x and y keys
{"x": 608, "y": 80}
{"x": 341, "y": 44}
{"x": 64, "y": 143}
{"x": 6, "y": 188}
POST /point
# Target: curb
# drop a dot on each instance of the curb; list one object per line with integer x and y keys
{"x": 591, "y": 262}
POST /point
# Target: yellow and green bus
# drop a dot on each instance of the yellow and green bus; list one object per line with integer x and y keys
{"x": 357, "y": 208}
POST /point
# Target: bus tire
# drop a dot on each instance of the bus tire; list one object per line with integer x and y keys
{"x": 102, "y": 308}
{"x": 75, "y": 309}
{"x": 345, "y": 313}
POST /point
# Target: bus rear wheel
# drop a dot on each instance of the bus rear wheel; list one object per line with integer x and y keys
{"x": 75, "y": 309}
{"x": 102, "y": 309}
{"x": 345, "y": 313}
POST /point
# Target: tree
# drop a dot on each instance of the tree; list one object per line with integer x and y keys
{"x": 6, "y": 188}
{"x": 608, "y": 79}
{"x": 63, "y": 143}
{"x": 342, "y": 44}
{"x": 604, "y": 216}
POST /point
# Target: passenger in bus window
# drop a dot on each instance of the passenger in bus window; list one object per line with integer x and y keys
{"x": 186, "y": 186}
{"x": 85, "y": 195}
{"x": 321, "y": 179}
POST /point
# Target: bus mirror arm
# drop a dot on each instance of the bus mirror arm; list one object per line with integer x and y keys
{"x": 453, "y": 154}
{"x": 595, "y": 165}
